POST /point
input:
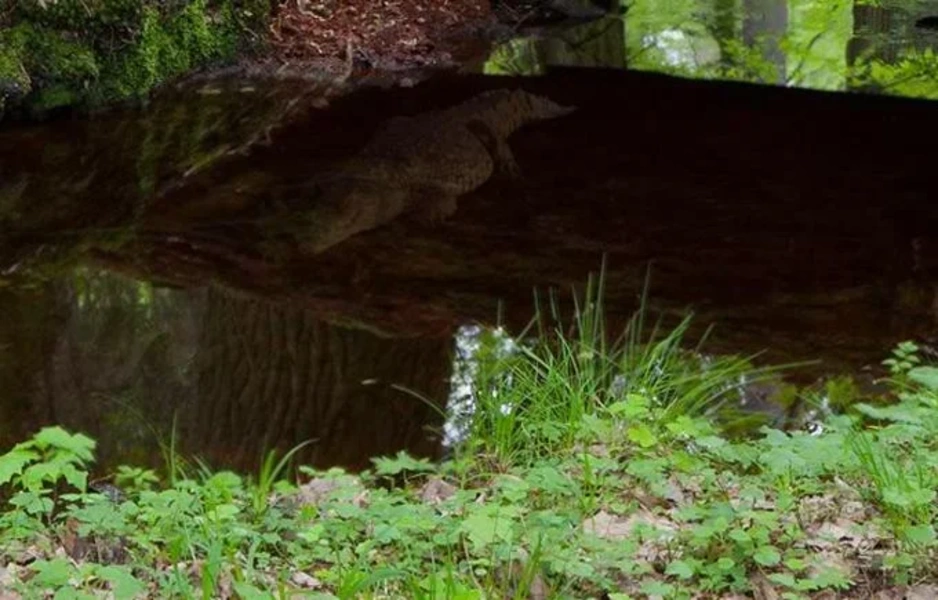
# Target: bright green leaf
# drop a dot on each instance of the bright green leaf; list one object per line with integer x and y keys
{"x": 680, "y": 569}
{"x": 78, "y": 444}
{"x": 642, "y": 435}
{"x": 784, "y": 579}
{"x": 13, "y": 462}
{"x": 657, "y": 588}
{"x": 725, "y": 563}
{"x": 919, "y": 534}
{"x": 767, "y": 556}
{"x": 401, "y": 463}
{"x": 927, "y": 376}
{"x": 52, "y": 573}
{"x": 123, "y": 583}
{"x": 636, "y": 406}
{"x": 740, "y": 536}
{"x": 247, "y": 591}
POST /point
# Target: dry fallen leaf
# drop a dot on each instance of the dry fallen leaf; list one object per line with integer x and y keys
{"x": 922, "y": 592}
{"x": 8, "y": 576}
{"x": 315, "y": 491}
{"x": 305, "y": 581}
{"x": 436, "y": 490}
{"x": 608, "y": 526}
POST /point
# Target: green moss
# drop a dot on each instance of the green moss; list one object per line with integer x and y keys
{"x": 171, "y": 47}
{"x": 55, "y": 96}
{"x": 14, "y": 79}
{"x": 197, "y": 41}
{"x": 149, "y": 62}
{"x": 93, "y": 51}
{"x": 51, "y": 56}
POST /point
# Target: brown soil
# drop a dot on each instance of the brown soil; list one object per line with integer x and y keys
{"x": 383, "y": 34}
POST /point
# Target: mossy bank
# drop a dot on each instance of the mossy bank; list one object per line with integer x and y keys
{"x": 58, "y": 53}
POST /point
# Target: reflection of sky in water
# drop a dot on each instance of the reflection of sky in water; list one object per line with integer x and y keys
{"x": 673, "y": 45}
{"x": 462, "y": 396}
{"x": 678, "y": 49}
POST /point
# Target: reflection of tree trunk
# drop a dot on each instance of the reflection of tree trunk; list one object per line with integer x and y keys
{"x": 597, "y": 44}
{"x": 765, "y": 23}
{"x": 272, "y": 375}
{"x": 90, "y": 354}
{"x": 872, "y": 26}
{"x": 32, "y": 323}
{"x": 870, "y": 23}
{"x": 762, "y": 219}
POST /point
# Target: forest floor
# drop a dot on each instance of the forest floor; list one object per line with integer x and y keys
{"x": 387, "y": 35}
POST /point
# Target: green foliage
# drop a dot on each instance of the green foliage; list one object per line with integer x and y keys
{"x": 40, "y": 463}
{"x": 898, "y": 455}
{"x": 402, "y": 464}
{"x": 77, "y": 51}
{"x": 706, "y": 40}
{"x": 914, "y": 74}
{"x": 514, "y": 57}
{"x": 135, "y": 479}
{"x": 50, "y": 56}
{"x": 904, "y": 358}
{"x": 171, "y": 47}
{"x": 841, "y": 393}
{"x": 33, "y": 471}
{"x": 270, "y": 473}
{"x": 58, "y": 67}
{"x": 541, "y": 396}
{"x": 14, "y": 79}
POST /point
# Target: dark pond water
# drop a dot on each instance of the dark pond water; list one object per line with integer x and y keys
{"x": 187, "y": 260}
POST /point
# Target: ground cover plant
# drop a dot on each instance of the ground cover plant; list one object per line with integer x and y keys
{"x": 590, "y": 468}
{"x": 68, "y": 52}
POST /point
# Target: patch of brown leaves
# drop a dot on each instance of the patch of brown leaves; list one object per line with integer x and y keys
{"x": 385, "y": 34}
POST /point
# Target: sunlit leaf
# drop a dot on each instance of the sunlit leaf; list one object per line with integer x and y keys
{"x": 767, "y": 556}
{"x": 642, "y": 435}
{"x": 927, "y": 376}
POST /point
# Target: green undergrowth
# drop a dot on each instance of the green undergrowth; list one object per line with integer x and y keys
{"x": 56, "y": 53}
{"x": 591, "y": 468}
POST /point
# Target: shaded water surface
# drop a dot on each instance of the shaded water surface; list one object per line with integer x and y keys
{"x": 156, "y": 264}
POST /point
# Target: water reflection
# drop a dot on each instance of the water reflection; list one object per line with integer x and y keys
{"x": 836, "y": 45}
{"x": 127, "y": 362}
{"x": 157, "y": 263}
{"x": 810, "y": 239}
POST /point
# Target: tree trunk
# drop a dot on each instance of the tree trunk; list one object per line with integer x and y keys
{"x": 597, "y": 44}
{"x": 765, "y": 23}
{"x": 32, "y": 324}
{"x": 872, "y": 28}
